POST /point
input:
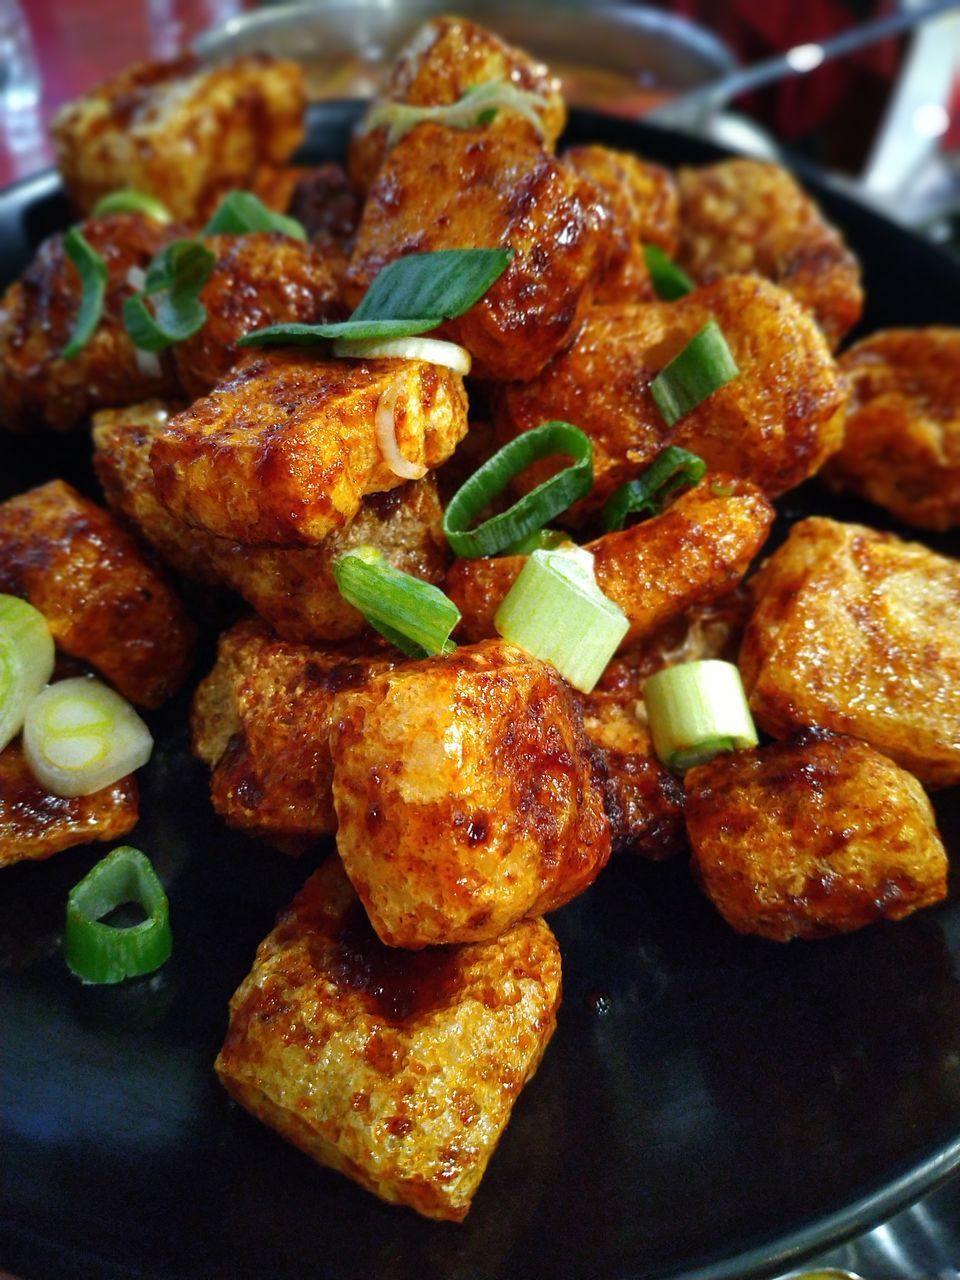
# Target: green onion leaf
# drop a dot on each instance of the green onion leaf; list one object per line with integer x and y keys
{"x": 539, "y": 540}
{"x": 130, "y": 201}
{"x": 99, "y": 952}
{"x": 412, "y": 614}
{"x": 703, "y": 365}
{"x": 695, "y": 711}
{"x": 533, "y": 510}
{"x": 26, "y": 662}
{"x": 411, "y": 295}
{"x": 175, "y": 279}
{"x": 80, "y": 736}
{"x": 93, "y": 280}
{"x": 479, "y": 105}
{"x": 669, "y": 280}
{"x": 672, "y": 469}
{"x": 556, "y": 611}
{"x": 240, "y": 213}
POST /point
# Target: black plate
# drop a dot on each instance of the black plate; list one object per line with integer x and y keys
{"x": 710, "y": 1106}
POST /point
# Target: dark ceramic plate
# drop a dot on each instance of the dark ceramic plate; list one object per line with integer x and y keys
{"x": 710, "y": 1106}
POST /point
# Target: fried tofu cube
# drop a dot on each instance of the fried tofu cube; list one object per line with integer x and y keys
{"x": 811, "y": 837}
{"x": 644, "y": 805}
{"x": 467, "y": 795}
{"x": 901, "y": 446}
{"x": 446, "y": 57}
{"x": 748, "y": 217}
{"x": 443, "y": 188}
{"x": 328, "y": 207}
{"x": 35, "y": 824}
{"x": 396, "y": 1068}
{"x": 103, "y": 601}
{"x": 285, "y": 448}
{"x": 859, "y": 632}
{"x": 180, "y": 131}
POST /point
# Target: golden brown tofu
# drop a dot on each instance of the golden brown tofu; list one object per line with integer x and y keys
{"x": 746, "y": 216}
{"x": 397, "y": 1068}
{"x": 812, "y": 837}
{"x": 38, "y": 387}
{"x": 284, "y": 449}
{"x": 446, "y": 57}
{"x": 102, "y": 600}
{"x": 180, "y": 131}
{"x": 35, "y": 824}
{"x": 467, "y": 795}
{"x": 641, "y": 200}
{"x": 261, "y": 721}
{"x": 901, "y": 445}
{"x": 859, "y": 632}
{"x": 644, "y": 804}
{"x": 774, "y": 424}
{"x": 328, "y": 206}
{"x": 445, "y": 188}
{"x": 695, "y": 551}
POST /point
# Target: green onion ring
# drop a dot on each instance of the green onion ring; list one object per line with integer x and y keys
{"x": 671, "y": 470}
{"x": 669, "y": 280}
{"x": 98, "y": 952}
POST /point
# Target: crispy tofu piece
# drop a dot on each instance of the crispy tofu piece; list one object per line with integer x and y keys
{"x": 283, "y": 451}
{"x": 35, "y": 824}
{"x": 38, "y": 387}
{"x": 328, "y": 206}
{"x": 181, "y": 131}
{"x": 446, "y": 57}
{"x": 812, "y": 837}
{"x": 644, "y": 804}
{"x": 774, "y": 424}
{"x": 859, "y": 632}
{"x": 467, "y": 796}
{"x": 397, "y": 1068}
{"x": 261, "y": 720}
{"x": 443, "y": 188}
{"x": 746, "y": 216}
{"x": 695, "y": 551}
{"x": 901, "y": 445}
{"x": 641, "y": 200}
{"x": 103, "y": 601}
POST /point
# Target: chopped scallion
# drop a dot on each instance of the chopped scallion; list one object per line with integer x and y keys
{"x": 669, "y": 280}
{"x": 447, "y": 354}
{"x": 93, "y": 281}
{"x": 479, "y": 105}
{"x": 704, "y": 365}
{"x": 26, "y": 662}
{"x": 412, "y": 614}
{"x": 672, "y": 469}
{"x": 696, "y": 710}
{"x": 174, "y": 281}
{"x": 241, "y": 213}
{"x": 539, "y": 540}
{"x": 99, "y": 952}
{"x": 130, "y": 201}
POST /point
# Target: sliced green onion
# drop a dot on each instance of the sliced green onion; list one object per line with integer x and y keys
{"x": 669, "y": 280}
{"x": 672, "y": 469}
{"x": 534, "y": 509}
{"x": 130, "y": 201}
{"x": 174, "y": 280}
{"x": 240, "y": 213}
{"x": 93, "y": 280}
{"x": 26, "y": 662}
{"x": 703, "y": 365}
{"x": 411, "y": 295}
{"x": 479, "y": 105}
{"x": 80, "y": 736}
{"x": 556, "y": 611}
{"x": 412, "y": 614}
{"x": 448, "y": 354}
{"x": 695, "y": 711}
{"x": 99, "y": 952}
{"x": 539, "y": 540}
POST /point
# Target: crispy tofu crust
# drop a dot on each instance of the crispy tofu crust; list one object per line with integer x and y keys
{"x": 102, "y": 600}
{"x": 180, "y": 131}
{"x": 35, "y": 824}
{"x": 328, "y": 206}
{"x": 645, "y": 807}
{"x": 901, "y": 445}
{"x": 775, "y": 424}
{"x": 398, "y": 1069}
{"x": 443, "y": 188}
{"x": 467, "y": 796}
{"x": 859, "y": 632}
{"x": 446, "y": 57}
{"x": 285, "y": 448}
{"x": 812, "y": 837}
{"x": 746, "y": 216}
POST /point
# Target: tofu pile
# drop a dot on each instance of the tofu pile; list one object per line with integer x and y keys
{"x": 409, "y": 992}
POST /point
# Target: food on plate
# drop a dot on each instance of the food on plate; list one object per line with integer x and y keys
{"x": 644, "y": 804}
{"x": 328, "y": 207}
{"x": 901, "y": 446}
{"x": 816, "y": 835}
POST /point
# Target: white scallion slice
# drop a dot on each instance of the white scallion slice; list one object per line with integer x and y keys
{"x": 556, "y": 611}
{"x": 448, "y": 354}
{"x": 26, "y": 662}
{"x": 80, "y": 736}
{"x": 697, "y": 710}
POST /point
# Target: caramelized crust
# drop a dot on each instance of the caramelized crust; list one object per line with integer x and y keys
{"x": 102, "y": 600}
{"x": 812, "y": 837}
{"x": 398, "y": 1069}
{"x": 328, "y": 206}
